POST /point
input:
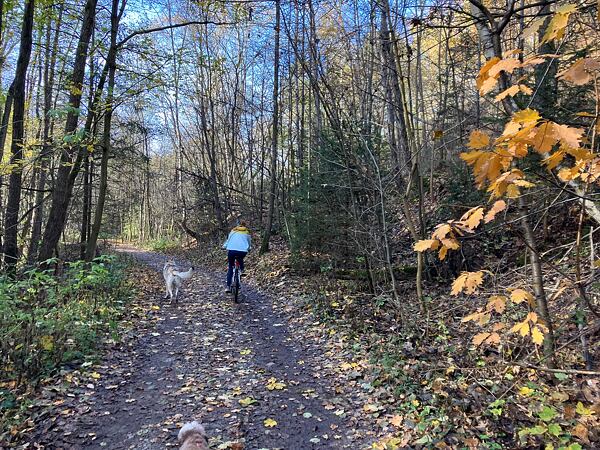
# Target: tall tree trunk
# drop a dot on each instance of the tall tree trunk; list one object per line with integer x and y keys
{"x": 275, "y": 135}
{"x": 70, "y": 160}
{"x": 18, "y": 131}
{"x": 545, "y": 74}
{"x": 49, "y": 70}
{"x": 111, "y": 62}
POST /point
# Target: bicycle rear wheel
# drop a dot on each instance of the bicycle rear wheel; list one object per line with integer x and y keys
{"x": 236, "y": 285}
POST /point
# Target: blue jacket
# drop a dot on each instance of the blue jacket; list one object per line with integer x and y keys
{"x": 239, "y": 240}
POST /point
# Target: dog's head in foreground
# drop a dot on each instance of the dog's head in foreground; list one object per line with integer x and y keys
{"x": 193, "y": 437}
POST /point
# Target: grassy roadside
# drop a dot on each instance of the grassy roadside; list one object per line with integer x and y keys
{"x": 53, "y": 329}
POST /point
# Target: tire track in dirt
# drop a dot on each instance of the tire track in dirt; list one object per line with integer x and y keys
{"x": 201, "y": 359}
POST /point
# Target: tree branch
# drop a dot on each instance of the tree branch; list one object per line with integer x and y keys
{"x": 169, "y": 27}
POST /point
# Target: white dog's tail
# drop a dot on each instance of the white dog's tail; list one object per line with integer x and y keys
{"x": 184, "y": 275}
{"x": 188, "y": 428}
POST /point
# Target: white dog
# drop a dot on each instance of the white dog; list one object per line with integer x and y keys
{"x": 174, "y": 278}
{"x": 193, "y": 437}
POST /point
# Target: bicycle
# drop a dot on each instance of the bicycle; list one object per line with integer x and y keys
{"x": 236, "y": 282}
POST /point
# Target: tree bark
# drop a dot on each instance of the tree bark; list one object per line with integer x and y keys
{"x": 49, "y": 70}
{"x": 275, "y": 136}
{"x": 18, "y": 131}
{"x": 111, "y": 62}
{"x": 69, "y": 167}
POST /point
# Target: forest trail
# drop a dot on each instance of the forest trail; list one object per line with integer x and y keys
{"x": 230, "y": 366}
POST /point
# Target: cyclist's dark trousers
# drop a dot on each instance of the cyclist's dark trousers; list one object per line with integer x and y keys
{"x": 232, "y": 255}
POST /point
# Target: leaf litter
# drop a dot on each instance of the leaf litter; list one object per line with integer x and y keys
{"x": 252, "y": 376}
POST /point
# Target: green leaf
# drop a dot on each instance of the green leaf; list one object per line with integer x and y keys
{"x": 537, "y": 430}
{"x": 547, "y": 414}
{"x": 554, "y": 429}
{"x": 561, "y": 376}
{"x": 582, "y": 410}
{"x": 424, "y": 440}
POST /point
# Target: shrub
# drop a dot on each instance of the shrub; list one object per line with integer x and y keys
{"x": 46, "y": 321}
{"x": 163, "y": 245}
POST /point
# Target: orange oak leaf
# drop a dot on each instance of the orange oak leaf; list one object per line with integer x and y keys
{"x": 507, "y": 65}
{"x": 520, "y": 295}
{"x": 496, "y": 303}
{"x": 568, "y": 135}
{"x": 581, "y": 71}
{"x": 472, "y": 218}
{"x": 426, "y": 244}
{"x": 498, "y": 206}
{"x": 468, "y": 282}
{"x": 522, "y": 328}
{"x": 478, "y": 140}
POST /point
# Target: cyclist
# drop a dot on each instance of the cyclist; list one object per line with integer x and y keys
{"x": 237, "y": 245}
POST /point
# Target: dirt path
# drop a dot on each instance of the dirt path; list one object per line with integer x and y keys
{"x": 230, "y": 366}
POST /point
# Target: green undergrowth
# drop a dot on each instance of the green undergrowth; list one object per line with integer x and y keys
{"x": 50, "y": 320}
{"x": 162, "y": 245}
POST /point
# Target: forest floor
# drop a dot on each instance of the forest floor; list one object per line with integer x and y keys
{"x": 249, "y": 372}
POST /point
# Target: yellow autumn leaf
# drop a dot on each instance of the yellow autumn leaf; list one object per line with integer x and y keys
{"x": 537, "y": 336}
{"x": 512, "y": 191}
{"x": 246, "y": 401}
{"x": 581, "y": 72}
{"x": 532, "y": 317}
{"x": 270, "y": 423}
{"x": 526, "y": 116}
{"x": 472, "y": 218}
{"x": 558, "y": 23}
{"x": 520, "y": 295}
{"x": 554, "y": 159}
{"x": 468, "y": 282}
{"x": 484, "y": 78}
{"x": 478, "y": 140}
{"x": 496, "y": 303}
{"x": 498, "y": 326}
{"x": 526, "y": 391}
{"x": 532, "y": 29}
{"x": 523, "y": 183}
{"x": 522, "y": 328}
{"x": 569, "y": 136}
{"x": 511, "y": 91}
{"x": 451, "y": 244}
{"x": 442, "y": 254}
{"x": 566, "y": 174}
{"x": 479, "y": 338}
{"x": 474, "y": 316}
{"x": 426, "y": 244}
{"x": 507, "y": 65}
{"x": 397, "y": 421}
{"x": 582, "y": 410}
{"x": 442, "y": 231}
{"x": 567, "y": 9}
{"x": 273, "y": 384}
{"x": 498, "y": 206}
